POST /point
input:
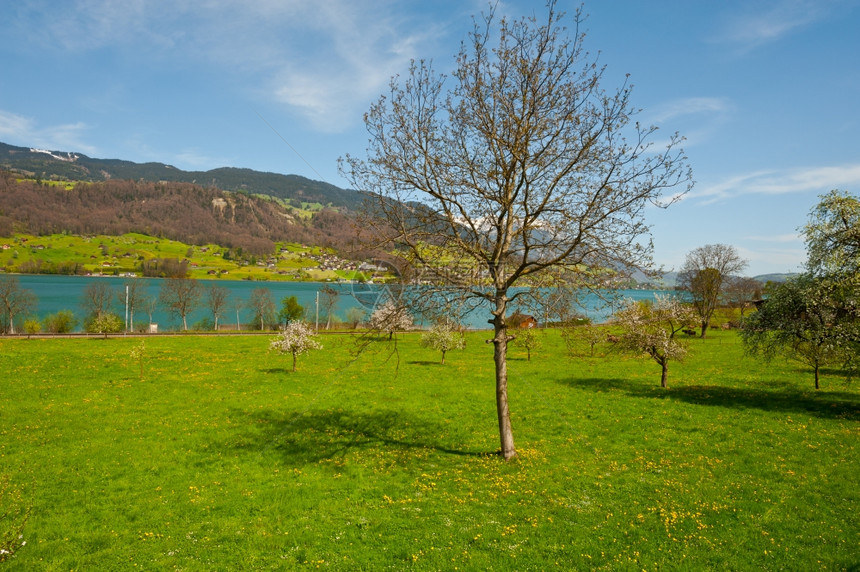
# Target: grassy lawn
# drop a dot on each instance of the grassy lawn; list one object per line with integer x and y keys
{"x": 221, "y": 459}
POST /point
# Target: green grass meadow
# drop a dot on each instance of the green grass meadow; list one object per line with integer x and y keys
{"x": 220, "y": 458}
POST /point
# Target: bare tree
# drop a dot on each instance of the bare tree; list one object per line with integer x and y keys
{"x": 149, "y": 305}
{"x": 263, "y": 305}
{"x": 705, "y": 272}
{"x": 328, "y": 301}
{"x": 524, "y": 169}
{"x": 216, "y": 299}
{"x": 14, "y": 301}
{"x": 97, "y": 299}
{"x": 180, "y": 297}
{"x": 132, "y": 294}
{"x": 743, "y": 291}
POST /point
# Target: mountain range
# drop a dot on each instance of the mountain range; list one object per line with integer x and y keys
{"x": 48, "y": 165}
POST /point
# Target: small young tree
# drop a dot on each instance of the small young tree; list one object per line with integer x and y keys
{"x": 443, "y": 338}
{"x": 296, "y": 338}
{"x": 651, "y": 329}
{"x": 138, "y": 353}
{"x": 577, "y": 331}
{"x": 32, "y": 326}
{"x": 390, "y": 318}
{"x": 529, "y": 339}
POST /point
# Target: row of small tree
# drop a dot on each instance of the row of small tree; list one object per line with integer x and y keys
{"x": 179, "y": 297}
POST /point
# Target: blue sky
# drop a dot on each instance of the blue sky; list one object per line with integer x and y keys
{"x": 766, "y": 92}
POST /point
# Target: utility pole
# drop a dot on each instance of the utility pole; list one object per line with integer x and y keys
{"x": 126, "y": 308}
{"x": 317, "y": 329}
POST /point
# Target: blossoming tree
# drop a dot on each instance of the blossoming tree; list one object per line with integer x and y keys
{"x": 295, "y": 338}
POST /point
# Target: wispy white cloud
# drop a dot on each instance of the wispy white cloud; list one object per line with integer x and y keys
{"x": 772, "y": 182}
{"x": 17, "y": 129}
{"x": 776, "y": 238}
{"x": 325, "y": 59}
{"x": 760, "y": 23}
{"x": 719, "y": 107}
{"x": 783, "y": 259}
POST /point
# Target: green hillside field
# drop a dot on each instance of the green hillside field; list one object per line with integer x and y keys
{"x": 209, "y": 454}
{"x": 123, "y": 254}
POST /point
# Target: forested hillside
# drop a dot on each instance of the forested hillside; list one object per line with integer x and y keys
{"x": 180, "y": 211}
{"x": 68, "y": 166}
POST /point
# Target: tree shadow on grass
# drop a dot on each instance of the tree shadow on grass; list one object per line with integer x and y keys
{"x": 424, "y": 362}
{"x": 270, "y": 370}
{"x": 777, "y": 397}
{"x": 314, "y": 436}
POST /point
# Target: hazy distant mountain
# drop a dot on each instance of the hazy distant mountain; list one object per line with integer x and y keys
{"x": 64, "y": 165}
{"x": 780, "y": 277}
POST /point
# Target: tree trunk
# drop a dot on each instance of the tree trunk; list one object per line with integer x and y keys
{"x": 500, "y": 356}
{"x": 184, "y": 323}
{"x": 816, "y": 376}
{"x": 705, "y": 324}
{"x": 294, "y": 361}
{"x": 443, "y": 357}
{"x": 663, "y": 379}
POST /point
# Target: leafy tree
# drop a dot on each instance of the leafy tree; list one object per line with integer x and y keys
{"x": 291, "y": 310}
{"x": 32, "y": 326}
{"x": 107, "y": 323}
{"x": 833, "y": 235}
{"x": 354, "y": 316}
{"x": 261, "y": 302}
{"x": 390, "y": 318}
{"x": 833, "y": 243}
{"x": 800, "y": 320}
{"x": 62, "y": 322}
{"x": 14, "y": 301}
{"x": 216, "y": 299}
{"x": 521, "y": 167}
{"x": 650, "y": 328}
{"x": 706, "y": 271}
{"x": 441, "y": 337}
{"x": 296, "y": 338}
{"x": 180, "y": 297}
{"x": 814, "y": 318}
